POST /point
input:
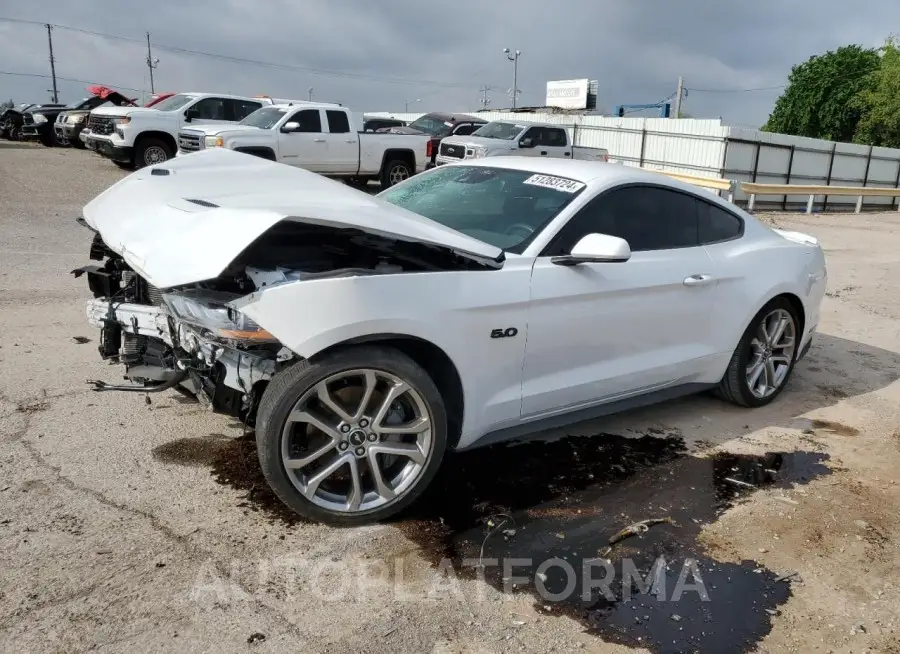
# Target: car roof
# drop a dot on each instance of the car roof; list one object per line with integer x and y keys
{"x": 455, "y": 118}
{"x": 581, "y": 171}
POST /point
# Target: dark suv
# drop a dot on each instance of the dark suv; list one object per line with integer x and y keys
{"x": 438, "y": 125}
{"x": 70, "y": 122}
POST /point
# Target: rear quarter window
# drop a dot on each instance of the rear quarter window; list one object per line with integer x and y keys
{"x": 716, "y": 225}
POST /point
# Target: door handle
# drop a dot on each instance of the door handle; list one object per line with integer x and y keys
{"x": 543, "y": 152}
{"x": 349, "y": 141}
{"x": 698, "y": 280}
{"x": 318, "y": 140}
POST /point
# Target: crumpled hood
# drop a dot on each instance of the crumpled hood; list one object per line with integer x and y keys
{"x": 189, "y": 223}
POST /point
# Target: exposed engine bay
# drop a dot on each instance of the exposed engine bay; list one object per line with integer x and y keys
{"x": 188, "y": 337}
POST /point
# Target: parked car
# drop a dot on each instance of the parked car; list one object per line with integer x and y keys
{"x": 12, "y": 119}
{"x": 324, "y": 138}
{"x": 439, "y": 126}
{"x": 366, "y": 336}
{"x": 85, "y": 131}
{"x": 500, "y": 138}
{"x": 376, "y": 124}
{"x": 70, "y": 122}
{"x": 148, "y": 135}
{"x": 39, "y": 123}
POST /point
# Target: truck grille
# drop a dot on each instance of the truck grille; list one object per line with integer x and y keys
{"x": 455, "y": 151}
{"x": 102, "y": 125}
{"x": 27, "y": 119}
{"x": 61, "y": 118}
{"x": 188, "y": 142}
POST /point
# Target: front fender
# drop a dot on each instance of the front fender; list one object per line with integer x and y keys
{"x": 454, "y": 310}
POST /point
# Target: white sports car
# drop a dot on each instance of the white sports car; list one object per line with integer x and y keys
{"x": 474, "y": 303}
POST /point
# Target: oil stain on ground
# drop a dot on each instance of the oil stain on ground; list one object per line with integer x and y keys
{"x": 549, "y": 510}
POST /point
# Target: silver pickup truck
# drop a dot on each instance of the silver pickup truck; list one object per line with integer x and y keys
{"x": 501, "y": 137}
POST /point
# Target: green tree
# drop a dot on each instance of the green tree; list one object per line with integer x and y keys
{"x": 880, "y": 101}
{"x": 822, "y": 96}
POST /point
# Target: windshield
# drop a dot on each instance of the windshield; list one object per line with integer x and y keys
{"x": 497, "y": 130}
{"x": 173, "y": 103}
{"x": 501, "y": 207}
{"x": 264, "y": 118}
{"x": 79, "y": 104}
{"x": 431, "y": 125}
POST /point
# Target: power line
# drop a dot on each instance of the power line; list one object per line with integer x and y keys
{"x": 253, "y": 62}
{"x": 66, "y": 79}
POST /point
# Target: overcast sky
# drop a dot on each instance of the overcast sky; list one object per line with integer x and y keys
{"x": 439, "y": 51}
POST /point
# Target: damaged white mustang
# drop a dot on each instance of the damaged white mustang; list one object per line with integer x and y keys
{"x": 474, "y": 303}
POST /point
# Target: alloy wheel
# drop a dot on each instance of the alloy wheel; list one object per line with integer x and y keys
{"x": 154, "y": 155}
{"x": 357, "y": 441}
{"x": 398, "y": 174}
{"x": 771, "y": 353}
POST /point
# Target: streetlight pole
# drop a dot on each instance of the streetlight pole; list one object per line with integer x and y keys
{"x": 406, "y": 104}
{"x": 310, "y": 93}
{"x": 514, "y": 57}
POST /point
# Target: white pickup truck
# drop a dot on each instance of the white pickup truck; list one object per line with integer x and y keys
{"x": 322, "y": 138}
{"x": 501, "y": 137}
{"x": 142, "y": 136}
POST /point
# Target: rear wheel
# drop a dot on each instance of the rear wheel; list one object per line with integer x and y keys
{"x": 764, "y": 359}
{"x": 352, "y": 438}
{"x": 394, "y": 172}
{"x": 14, "y": 133}
{"x": 151, "y": 151}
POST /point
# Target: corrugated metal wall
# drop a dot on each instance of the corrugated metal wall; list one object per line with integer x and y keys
{"x": 707, "y": 148}
{"x": 781, "y": 159}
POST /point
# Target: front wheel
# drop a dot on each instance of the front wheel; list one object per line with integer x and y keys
{"x": 394, "y": 172}
{"x": 353, "y": 437}
{"x": 152, "y": 151}
{"x": 764, "y": 359}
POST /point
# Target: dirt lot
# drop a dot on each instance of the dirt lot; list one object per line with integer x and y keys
{"x": 128, "y": 526}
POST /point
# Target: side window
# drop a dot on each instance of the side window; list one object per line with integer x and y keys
{"x": 536, "y": 134}
{"x": 648, "y": 217}
{"x": 554, "y": 137}
{"x": 337, "y": 122}
{"x": 717, "y": 225}
{"x": 240, "y": 109}
{"x": 465, "y": 130}
{"x": 309, "y": 119}
{"x": 209, "y": 109}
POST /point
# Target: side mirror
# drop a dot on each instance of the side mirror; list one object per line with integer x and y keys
{"x": 526, "y": 142}
{"x": 188, "y": 116}
{"x": 292, "y": 126}
{"x": 596, "y": 248}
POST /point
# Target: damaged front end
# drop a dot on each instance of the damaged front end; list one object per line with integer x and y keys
{"x": 186, "y": 338}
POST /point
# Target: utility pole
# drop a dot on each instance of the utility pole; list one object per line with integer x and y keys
{"x": 52, "y": 63}
{"x": 485, "y": 100}
{"x": 514, "y": 57}
{"x": 678, "y": 95}
{"x": 310, "y": 91}
{"x": 151, "y": 64}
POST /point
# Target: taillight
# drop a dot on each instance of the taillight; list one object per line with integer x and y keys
{"x": 429, "y": 149}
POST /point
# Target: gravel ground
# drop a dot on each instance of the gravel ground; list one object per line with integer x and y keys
{"x": 127, "y": 526}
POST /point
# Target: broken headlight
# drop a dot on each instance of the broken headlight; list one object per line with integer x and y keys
{"x": 207, "y": 311}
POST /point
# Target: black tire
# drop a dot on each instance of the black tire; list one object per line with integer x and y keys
{"x": 734, "y": 387}
{"x": 286, "y": 388}
{"x": 156, "y": 150}
{"x": 49, "y": 141}
{"x": 393, "y": 170}
{"x": 14, "y": 133}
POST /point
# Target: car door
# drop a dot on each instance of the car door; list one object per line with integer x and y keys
{"x": 554, "y": 143}
{"x": 304, "y": 147}
{"x": 342, "y": 143}
{"x": 208, "y": 111}
{"x": 536, "y": 136}
{"x": 604, "y": 331}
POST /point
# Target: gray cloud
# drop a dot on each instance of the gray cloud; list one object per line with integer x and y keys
{"x": 444, "y": 51}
